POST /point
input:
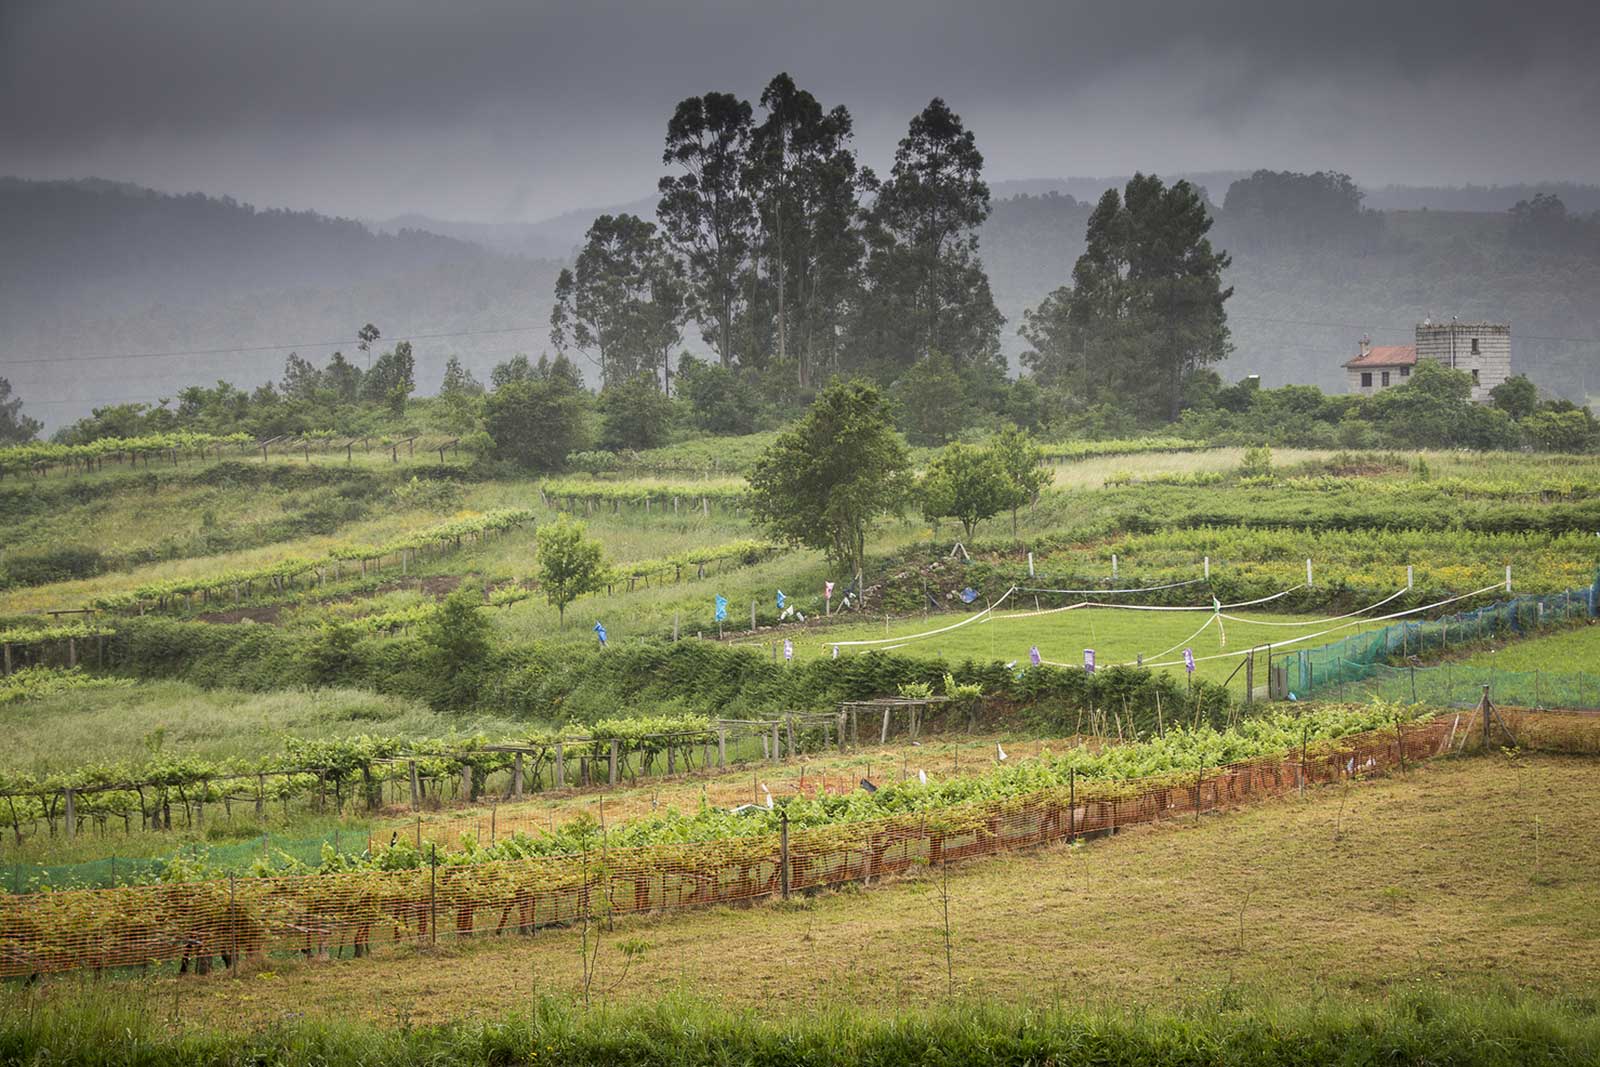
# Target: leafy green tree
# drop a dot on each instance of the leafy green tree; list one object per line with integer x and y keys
{"x": 634, "y": 414}
{"x": 967, "y": 484}
{"x": 805, "y": 186}
{"x": 1434, "y": 409}
{"x": 1145, "y": 308}
{"x": 536, "y": 421}
{"x": 460, "y": 395}
{"x": 457, "y": 639}
{"x": 15, "y": 427}
{"x": 934, "y": 404}
{"x": 706, "y": 210}
{"x": 1562, "y": 431}
{"x": 1021, "y": 460}
{"x": 301, "y": 380}
{"x": 458, "y": 381}
{"x": 822, "y": 483}
{"x": 343, "y": 377}
{"x": 926, "y": 289}
{"x": 1516, "y": 396}
{"x": 570, "y": 564}
{"x": 623, "y": 300}
{"x": 515, "y": 369}
{"x": 721, "y": 399}
{"x": 1284, "y": 209}
{"x": 391, "y": 379}
{"x": 365, "y": 337}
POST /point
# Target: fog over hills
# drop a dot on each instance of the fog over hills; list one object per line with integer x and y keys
{"x": 98, "y": 268}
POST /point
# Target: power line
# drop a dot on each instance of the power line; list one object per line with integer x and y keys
{"x": 266, "y": 348}
{"x": 444, "y": 335}
{"x": 1368, "y": 326}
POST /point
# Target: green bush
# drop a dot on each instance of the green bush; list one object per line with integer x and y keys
{"x": 41, "y": 566}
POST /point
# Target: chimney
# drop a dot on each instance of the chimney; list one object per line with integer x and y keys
{"x": 1366, "y": 345}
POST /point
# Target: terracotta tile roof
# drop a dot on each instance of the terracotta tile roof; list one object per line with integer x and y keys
{"x": 1386, "y": 356}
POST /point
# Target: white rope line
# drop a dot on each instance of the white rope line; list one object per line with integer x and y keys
{"x": 1115, "y": 592}
{"x": 905, "y": 639}
{"x": 1032, "y": 614}
{"x": 1198, "y": 607}
{"x": 988, "y": 614}
{"x": 1177, "y": 646}
{"x": 1336, "y": 629}
{"x": 1318, "y": 622}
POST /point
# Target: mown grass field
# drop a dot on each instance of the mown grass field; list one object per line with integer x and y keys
{"x": 1117, "y": 636}
{"x": 1567, "y": 651}
{"x": 1414, "y": 888}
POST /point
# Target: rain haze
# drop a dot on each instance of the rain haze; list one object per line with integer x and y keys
{"x": 513, "y": 111}
{"x": 474, "y": 143}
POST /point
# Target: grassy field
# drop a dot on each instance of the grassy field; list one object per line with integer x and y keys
{"x": 85, "y": 726}
{"x": 1116, "y": 636}
{"x": 1564, "y": 652}
{"x": 1411, "y": 891}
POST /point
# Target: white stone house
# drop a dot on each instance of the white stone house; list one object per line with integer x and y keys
{"x": 1482, "y": 349}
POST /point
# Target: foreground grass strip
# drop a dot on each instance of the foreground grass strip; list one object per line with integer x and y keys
{"x": 1424, "y": 1027}
{"x": 1358, "y": 893}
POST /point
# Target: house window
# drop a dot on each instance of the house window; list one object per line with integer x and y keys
{"x": 1366, "y": 379}
{"x": 1386, "y": 378}
{"x": 1475, "y": 346}
{"x": 1405, "y": 372}
{"x": 1474, "y": 375}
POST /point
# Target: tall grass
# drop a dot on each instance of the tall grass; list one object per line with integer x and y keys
{"x": 1239, "y": 1028}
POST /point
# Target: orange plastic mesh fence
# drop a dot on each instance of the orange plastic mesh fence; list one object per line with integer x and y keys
{"x": 204, "y": 925}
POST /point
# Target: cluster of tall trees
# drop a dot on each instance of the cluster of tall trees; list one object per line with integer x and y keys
{"x": 794, "y": 261}
{"x": 1144, "y": 311}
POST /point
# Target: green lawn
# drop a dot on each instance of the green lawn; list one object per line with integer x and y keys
{"x": 1117, "y": 636}
{"x": 1565, "y": 652}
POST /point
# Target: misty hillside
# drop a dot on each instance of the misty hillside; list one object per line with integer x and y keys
{"x": 94, "y": 268}
{"x": 98, "y": 268}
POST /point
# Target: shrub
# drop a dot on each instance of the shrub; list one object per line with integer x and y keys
{"x": 40, "y": 566}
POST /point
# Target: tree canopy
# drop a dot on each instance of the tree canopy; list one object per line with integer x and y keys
{"x": 822, "y": 483}
{"x": 570, "y": 564}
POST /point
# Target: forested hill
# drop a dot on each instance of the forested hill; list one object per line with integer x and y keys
{"x": 94, "y": 267}
{"x": 1305, "y": 291}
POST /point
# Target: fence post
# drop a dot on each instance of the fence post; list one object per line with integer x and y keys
{"x": 233, "y": 930}
{"x": 416, "y": 786}
{"x": 611, "y": 763}
{"x": 783, "y": 852}
{"x": 516, "y": 777}
{"x": 433, "y": 899}
{"x": 775, "y": 752}
{"x": 1072, "y": 803}
{"x": 72, "y": 813}
{"x": 561, "y": 768}
{"x": 1483, "y": 705}
{"x": 722, "y": 748}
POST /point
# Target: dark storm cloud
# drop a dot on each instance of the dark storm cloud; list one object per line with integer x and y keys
{"x": 487, "y": 109}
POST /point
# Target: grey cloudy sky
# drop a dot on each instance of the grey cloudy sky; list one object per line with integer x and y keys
{"x": 503, "y": 110}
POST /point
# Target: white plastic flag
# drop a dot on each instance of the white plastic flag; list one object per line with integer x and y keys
{"x": 788, "y": 650}
{"x": 999, "y": 753}
{"x": 922, "y": 776}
